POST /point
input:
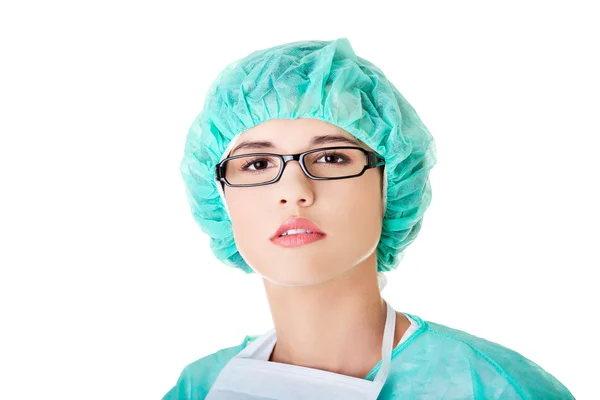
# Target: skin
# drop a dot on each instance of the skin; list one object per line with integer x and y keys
{"x": 324, "y": 299}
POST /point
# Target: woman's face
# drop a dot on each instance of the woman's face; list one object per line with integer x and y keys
{"x": 349, "y": 211}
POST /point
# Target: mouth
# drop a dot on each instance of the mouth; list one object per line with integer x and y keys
{"x": 296, "y": 226}
{"x": 297, "y": 239}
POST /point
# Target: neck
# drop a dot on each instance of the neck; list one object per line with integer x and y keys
{"x": 334, "y": 326}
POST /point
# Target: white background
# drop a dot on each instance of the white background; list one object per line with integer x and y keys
{"x": 108, "y": 288}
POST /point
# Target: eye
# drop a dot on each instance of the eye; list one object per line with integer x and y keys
{"x": 332, "y": 157}
{"x": 256, "y": 164}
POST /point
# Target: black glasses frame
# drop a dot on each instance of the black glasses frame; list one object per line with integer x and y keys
{"x": 372, "y": 162}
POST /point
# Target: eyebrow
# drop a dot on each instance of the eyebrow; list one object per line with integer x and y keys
{"x": 317, "y": 140}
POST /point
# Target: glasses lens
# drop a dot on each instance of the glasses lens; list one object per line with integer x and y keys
{"x": 252, "y": 169}
{"x": 326, "y": 163}
{"x": 335, "y": 163}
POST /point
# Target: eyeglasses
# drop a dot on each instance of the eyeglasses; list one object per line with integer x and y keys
{"x": 319, "y": 164}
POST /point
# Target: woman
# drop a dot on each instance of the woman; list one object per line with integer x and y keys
{"x": 308, "y": 167}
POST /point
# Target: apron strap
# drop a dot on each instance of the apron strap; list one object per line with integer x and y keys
{"x": 386, "y": 346}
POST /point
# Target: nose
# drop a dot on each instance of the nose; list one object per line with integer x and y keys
{"x": 294, "y": 186}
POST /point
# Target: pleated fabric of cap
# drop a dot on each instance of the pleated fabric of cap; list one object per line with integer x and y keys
{"x": 324, "y": 80}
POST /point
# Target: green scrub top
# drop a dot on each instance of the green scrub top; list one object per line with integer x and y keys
{"x": 435, "y": 362}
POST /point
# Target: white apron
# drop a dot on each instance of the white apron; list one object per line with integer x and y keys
{"x": 251, "y": 376}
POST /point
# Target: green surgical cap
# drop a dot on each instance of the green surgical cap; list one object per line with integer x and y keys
{"x": 324, "y": 80}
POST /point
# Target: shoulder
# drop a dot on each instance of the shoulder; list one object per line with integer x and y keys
{"x": 461, "y": 365}
{"x": 197, "y": 377}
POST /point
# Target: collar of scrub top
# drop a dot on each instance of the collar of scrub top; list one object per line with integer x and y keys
{"x": 263, "y": 347}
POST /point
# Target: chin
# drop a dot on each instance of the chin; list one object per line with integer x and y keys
{"x": 288, "y": 274}
{"x": 298, "y": 282}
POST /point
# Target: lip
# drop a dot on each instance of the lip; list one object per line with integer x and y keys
{"x": 299, "y": 239}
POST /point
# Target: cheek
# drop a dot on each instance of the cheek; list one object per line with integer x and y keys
{"x": 355, "y": 205}
{"x": 247, "y": 209}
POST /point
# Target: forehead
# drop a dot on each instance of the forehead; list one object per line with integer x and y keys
{"x": 292, "y": 136}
